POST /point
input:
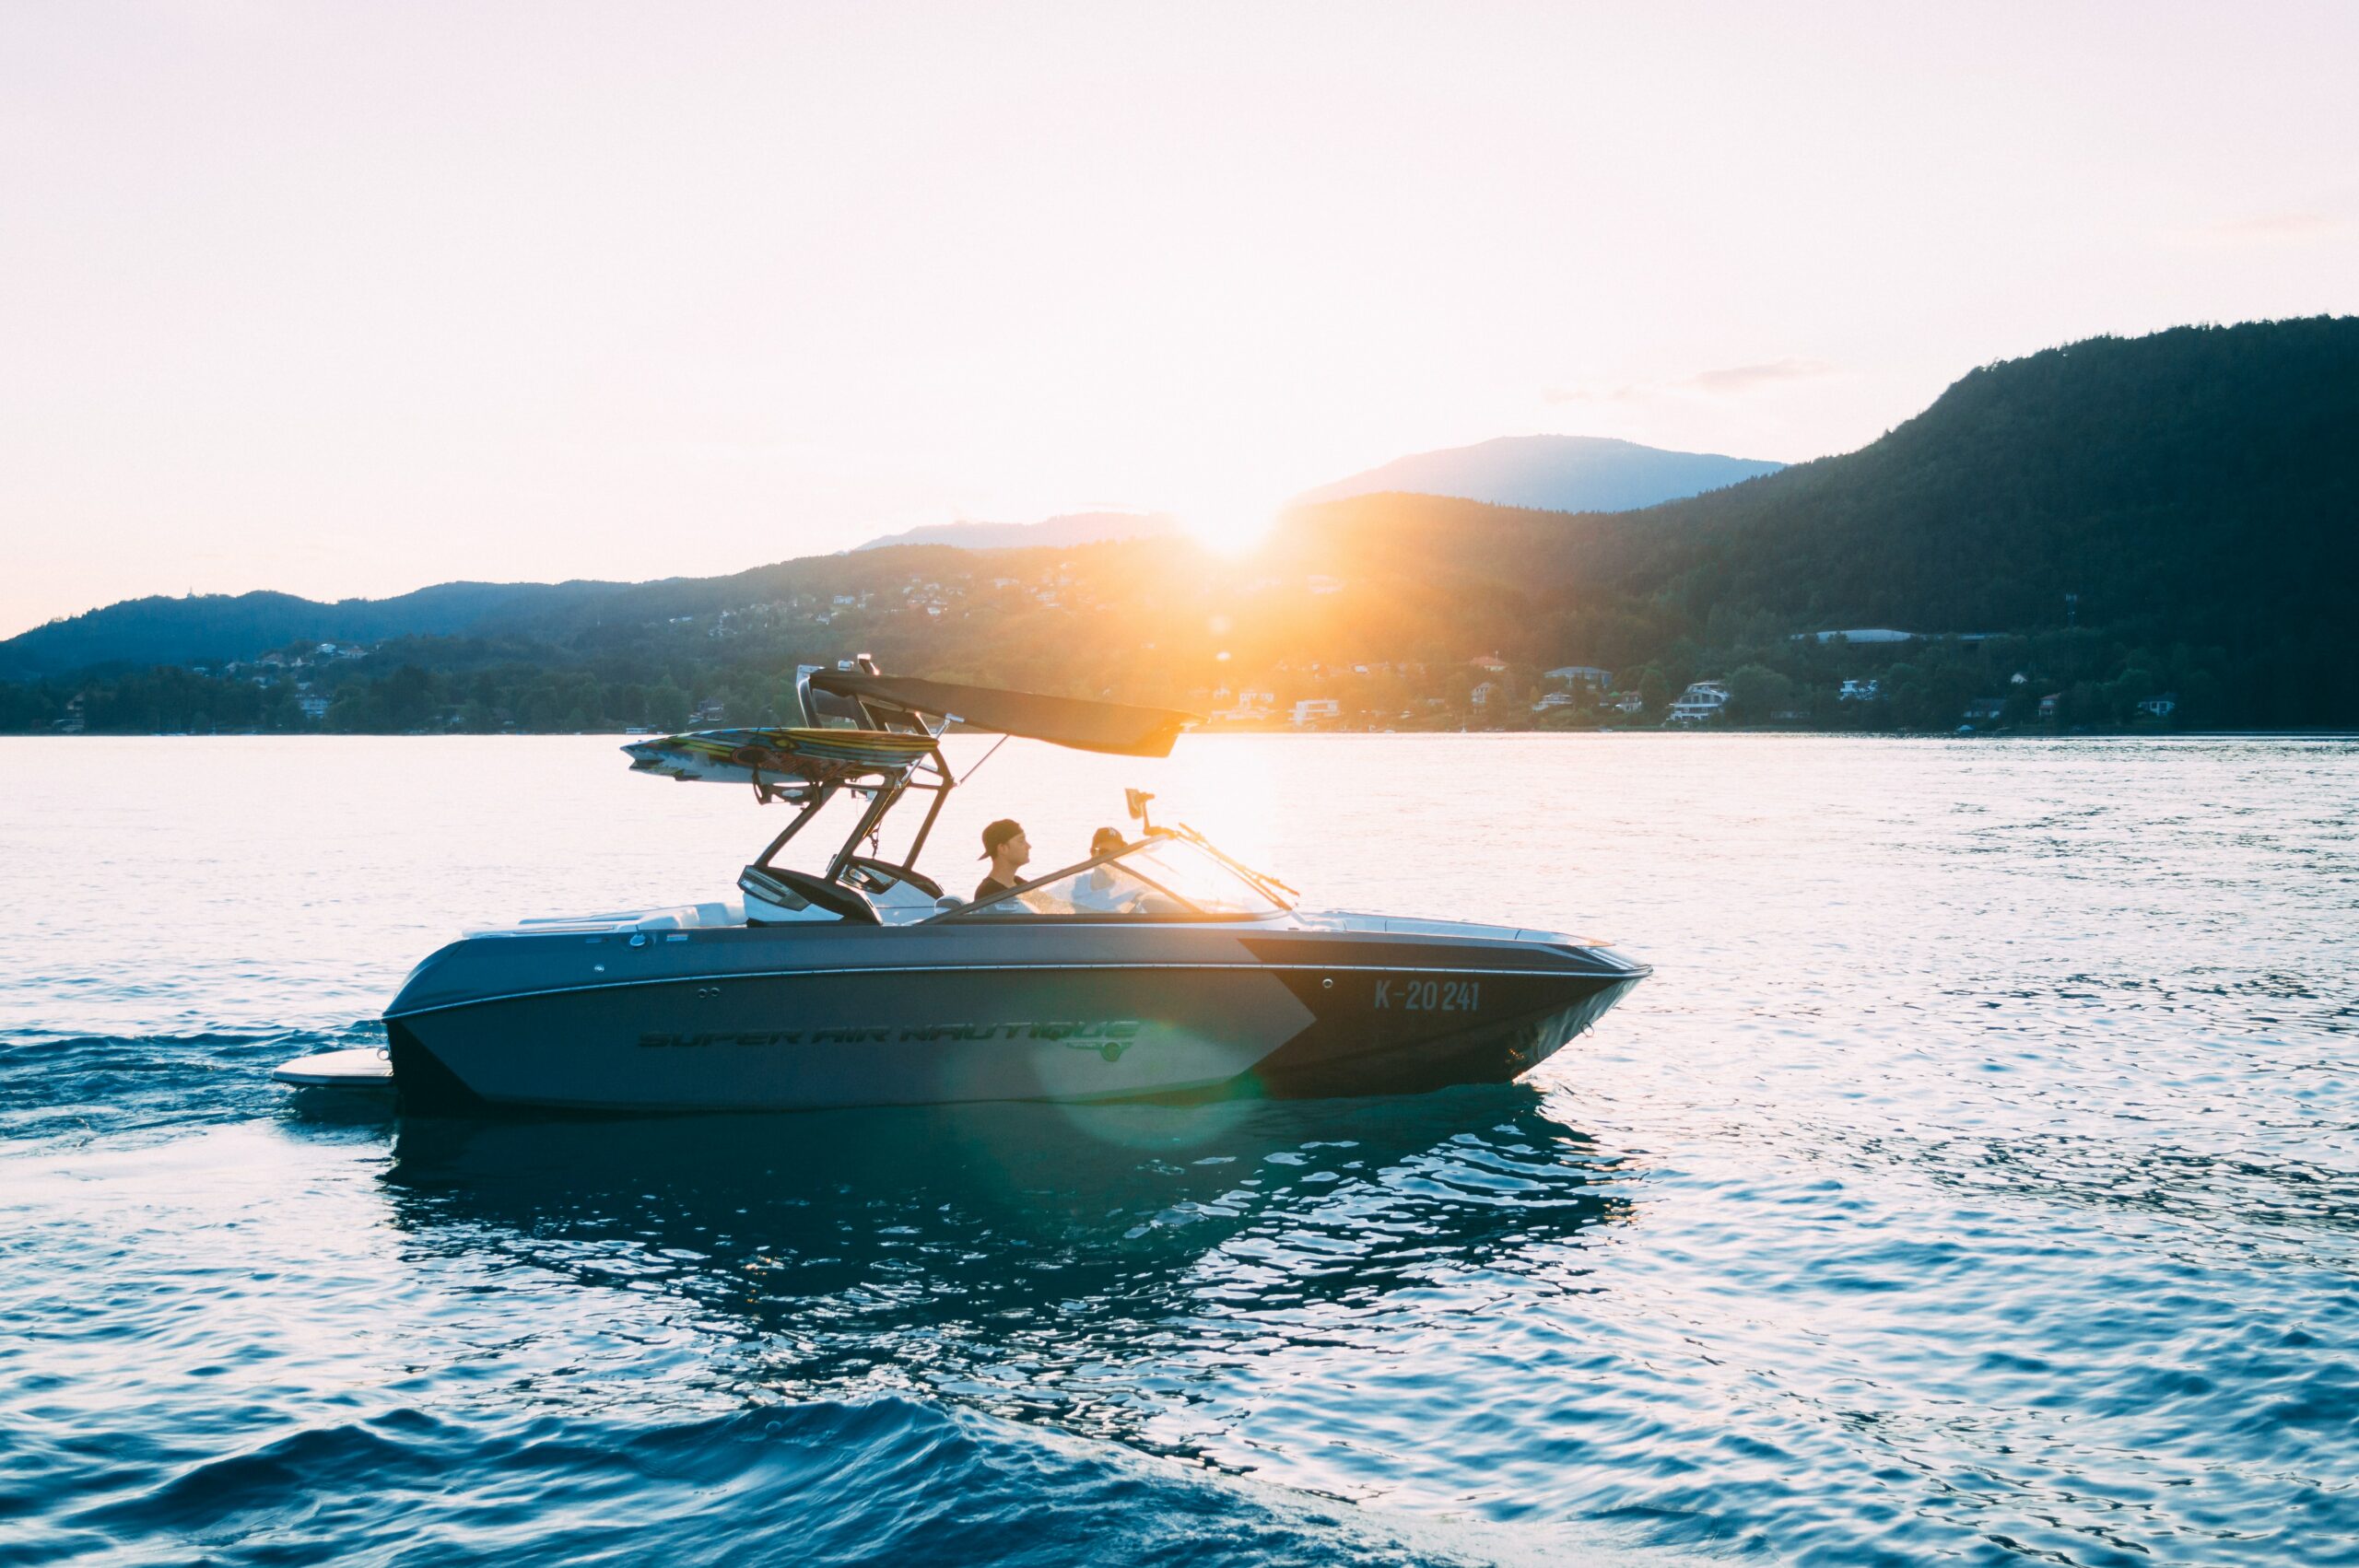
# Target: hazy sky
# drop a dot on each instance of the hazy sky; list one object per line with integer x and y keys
{"x": 347, "y": 300}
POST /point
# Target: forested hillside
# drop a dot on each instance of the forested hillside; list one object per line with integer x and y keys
{"x": 2196, "y": 484}
{"x": 214, "y": 628}
{"x": 2106, "y": 525}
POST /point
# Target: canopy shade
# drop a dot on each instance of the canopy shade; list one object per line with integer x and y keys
{"x": 1115, "y": 727}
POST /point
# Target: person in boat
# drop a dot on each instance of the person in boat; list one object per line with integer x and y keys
{"x": 1099, "y": 889}
{"x": 1006, "y": 847}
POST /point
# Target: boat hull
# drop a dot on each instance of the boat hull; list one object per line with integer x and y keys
{"x": 764, "y": 1020}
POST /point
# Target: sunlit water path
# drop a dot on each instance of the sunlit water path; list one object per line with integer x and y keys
{"x": 1977, "y": 1180}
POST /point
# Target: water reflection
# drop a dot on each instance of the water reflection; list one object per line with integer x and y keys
{"x": 1087, "y": 1266}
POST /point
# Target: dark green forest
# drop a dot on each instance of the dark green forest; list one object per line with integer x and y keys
{"x": 2164, "y": 521}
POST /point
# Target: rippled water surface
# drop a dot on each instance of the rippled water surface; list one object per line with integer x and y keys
{"x": 1977, "y": 1180}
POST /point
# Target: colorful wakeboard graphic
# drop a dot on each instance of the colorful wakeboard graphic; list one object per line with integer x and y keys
{"x": 775, "y": 756}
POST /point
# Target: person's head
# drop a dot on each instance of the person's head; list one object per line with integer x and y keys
{"x": 1106, "y": 840}
{"x": 1004, "y": 847}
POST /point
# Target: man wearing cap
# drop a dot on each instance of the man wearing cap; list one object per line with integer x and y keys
{"x": 1004, "y": 847}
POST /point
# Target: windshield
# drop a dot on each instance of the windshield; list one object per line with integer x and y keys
{"x": 1170, "y": 878}
{"x": 1200, "y": 877}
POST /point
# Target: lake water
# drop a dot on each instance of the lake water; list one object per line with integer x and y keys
{"x": 1977, "y": 1180}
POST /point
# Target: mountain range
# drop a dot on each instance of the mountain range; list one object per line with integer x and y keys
{"x": 1554, "y": 473}
{"x": 1564, "y": 474}
{"x": 2124, "y": 515}
{"x": 1055, "y": 532}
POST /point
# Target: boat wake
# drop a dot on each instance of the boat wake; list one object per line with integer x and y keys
{"x": 69, "y": 1086}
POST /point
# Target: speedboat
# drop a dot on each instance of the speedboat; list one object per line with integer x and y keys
{"x": 1164, "y": 968}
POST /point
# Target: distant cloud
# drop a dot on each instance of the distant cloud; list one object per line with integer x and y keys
{"x": 1736, "y": 379}
{"x": 2274, "y": 228}
{"x": 1727, "y": 381}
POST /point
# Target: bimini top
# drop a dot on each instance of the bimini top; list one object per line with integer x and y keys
{"x": 1115, "y": 727}
{"x": 897, "y": 719}
{"x": 736, "y": 756}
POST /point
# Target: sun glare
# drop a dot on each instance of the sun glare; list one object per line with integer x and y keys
{"x": 1229, "y": 530}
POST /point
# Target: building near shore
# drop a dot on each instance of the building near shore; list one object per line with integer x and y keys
{"x": 1703, "y": 701}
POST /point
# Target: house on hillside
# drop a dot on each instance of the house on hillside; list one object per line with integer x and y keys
{"x": 2048, "y": 704}
{"x": 1554, "y": 702}
{"x": 1626, "y": 702}
{"x": 1700, "y": 701}
{"x": 1252, "y": 708}
{"x": 1859, "y": 691}
{"x": 1489, "y": 664}
{"x": 1315, "y": 710}
{"x": 1483, "y": 694}
{"x": 1588, "y": 675}
{"x": 1985, "y": 711}
{"x": 2161, "y": 707}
